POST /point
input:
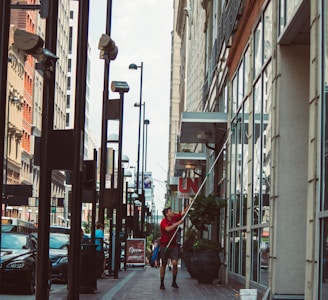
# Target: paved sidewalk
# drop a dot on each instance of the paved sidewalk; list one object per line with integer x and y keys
{"x": 144, "y": 283}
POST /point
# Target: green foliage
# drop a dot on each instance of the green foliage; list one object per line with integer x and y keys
{"x": 205, "y": 210}
{"x": 203, "y": 244}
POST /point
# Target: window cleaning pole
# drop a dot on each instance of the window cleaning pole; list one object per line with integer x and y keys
{"x": 201, "y": 186}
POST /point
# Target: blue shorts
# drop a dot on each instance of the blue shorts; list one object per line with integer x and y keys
{"x": 171, "y": 252}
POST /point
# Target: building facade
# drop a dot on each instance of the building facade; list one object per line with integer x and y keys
{"x": 253, "y": 111}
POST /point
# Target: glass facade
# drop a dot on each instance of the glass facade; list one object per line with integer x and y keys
{"x": 323, "y": 207}
{"x": 250, "y": 112}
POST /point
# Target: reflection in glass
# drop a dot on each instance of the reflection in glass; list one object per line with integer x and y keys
{"x": 258, "y": 49}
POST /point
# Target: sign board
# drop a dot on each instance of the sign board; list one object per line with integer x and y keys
{"x": 136, "y": 252}
{"x": 187, "y": 187}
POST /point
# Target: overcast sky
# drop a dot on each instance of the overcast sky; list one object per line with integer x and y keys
{"x": 142, "y": 32}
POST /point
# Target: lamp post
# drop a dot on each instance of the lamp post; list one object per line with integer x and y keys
{"x": 143, "y": 143}
{"x": 120, "y": 87}
{"x": 146, "y": 123}
{"x": 135, "y": 67}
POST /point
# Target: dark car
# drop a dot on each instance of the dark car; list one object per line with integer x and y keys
{"x": 18, "y": 262}
{"x": 58, "y": 252}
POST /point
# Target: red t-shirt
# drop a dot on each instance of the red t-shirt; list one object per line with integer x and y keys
{"x": 167, "y": 235}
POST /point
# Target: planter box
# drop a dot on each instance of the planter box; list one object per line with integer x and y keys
{"x": 202, "y": 265}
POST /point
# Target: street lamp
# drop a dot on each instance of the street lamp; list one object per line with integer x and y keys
{"x": 135, "y": 67}
{"x": 146, "y": 123}
{"x": 120, "y": 87}
{"x": 143, "y": 143}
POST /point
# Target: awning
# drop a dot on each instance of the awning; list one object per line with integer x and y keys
{"x": 189, "y": 160}
{"x": 202, "y": 127}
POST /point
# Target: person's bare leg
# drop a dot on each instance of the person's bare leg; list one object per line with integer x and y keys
{"x": 174, "y": 273}
{"x": 162, "y": 275}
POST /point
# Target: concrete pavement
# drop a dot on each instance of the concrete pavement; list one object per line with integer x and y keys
{"x": 143, "y": 283}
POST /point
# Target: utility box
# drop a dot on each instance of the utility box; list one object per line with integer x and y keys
{"x": 88, "y": 277}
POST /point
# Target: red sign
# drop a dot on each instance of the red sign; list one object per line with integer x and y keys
{"x": 188, "y": 186}
{"x": 136, "y": 252}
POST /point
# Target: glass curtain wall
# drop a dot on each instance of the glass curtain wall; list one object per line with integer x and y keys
{"x": 260, "y": 72}
{"x": 261, "y": 162}
{"x": 323, "y": 207}
{"x": 238, "y": 168}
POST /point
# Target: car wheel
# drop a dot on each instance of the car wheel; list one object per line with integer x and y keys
{"x": 30, "y": 284}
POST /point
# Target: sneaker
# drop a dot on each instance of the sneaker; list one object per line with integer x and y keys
{"x": 174, "y": 284}
{"x": 162, "y": 287}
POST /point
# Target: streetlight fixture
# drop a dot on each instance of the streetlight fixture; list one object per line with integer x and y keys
{"x": 120, "y": 87}
{"x": 146, "y": 123}
{"x": 135, "y": 67}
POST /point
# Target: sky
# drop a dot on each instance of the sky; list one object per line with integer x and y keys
{"x": 141, "y": 30}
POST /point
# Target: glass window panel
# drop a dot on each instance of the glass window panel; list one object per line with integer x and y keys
{"x": 245, "y": 160}
{"x": 324, "y": 205}
{"x": 234, "y": 96}
{"x": 243, "y": 254}
{"x": 257, "y": 150}
{"x": 291, "y": 7}
{"x": 264, "y": 251}
{"x": 282, "y": 15}
{"x": 255, "y": 255}
{"x": 267, "y": 24}
{"x": 266, "y": 159}
{"x": 258, "y": 49}
{"x": 237, "y": 252}
{"x": 323, "y": 261}
{"x": 323, "y": 283}
{"x": 240, "y": 84}
{"x": 247, "y": 71}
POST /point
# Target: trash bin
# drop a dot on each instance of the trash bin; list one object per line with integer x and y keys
{"x": 88, "y": 278}
{"x": 248, "y": 294}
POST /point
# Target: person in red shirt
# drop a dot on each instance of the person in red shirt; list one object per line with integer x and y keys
{"x": 168, "y": 226}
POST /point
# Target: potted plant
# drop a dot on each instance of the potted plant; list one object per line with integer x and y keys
{"x": 201, "y": 256}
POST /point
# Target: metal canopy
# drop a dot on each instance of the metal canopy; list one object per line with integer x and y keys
{"x": 189, "y": 160}
{"x": 202, "y": 127}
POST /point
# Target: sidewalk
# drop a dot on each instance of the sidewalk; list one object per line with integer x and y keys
{"x": 144, "y": 283}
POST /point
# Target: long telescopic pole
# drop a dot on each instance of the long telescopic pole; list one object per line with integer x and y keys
{"x": 200, "y": 188}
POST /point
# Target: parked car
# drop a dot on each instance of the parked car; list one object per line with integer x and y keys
{"x": 58, "y": 252}
{"x": 59, "y": 229}
{"x": 18, "y": 262}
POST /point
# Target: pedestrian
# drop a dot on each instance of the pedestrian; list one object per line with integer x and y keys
{"x": 100, "y": 255}
{"x": 155, "y": 254}
{"x": 168, "y": 226}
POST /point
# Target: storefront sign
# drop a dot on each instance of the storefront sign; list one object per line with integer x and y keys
{"x": 136, "y": 252}
{"x": 187, "y": 186}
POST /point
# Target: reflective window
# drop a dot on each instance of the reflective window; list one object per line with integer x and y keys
{"x": 323, "y": 266}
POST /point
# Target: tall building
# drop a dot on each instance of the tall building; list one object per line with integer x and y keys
{"x": 249, "y": 94}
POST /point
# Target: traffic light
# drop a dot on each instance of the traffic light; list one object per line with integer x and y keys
{"x": 107, "y": 47}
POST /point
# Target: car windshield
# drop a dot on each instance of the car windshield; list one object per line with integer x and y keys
{"x": 14, "y": 241}
{"x": 58, "y": 240}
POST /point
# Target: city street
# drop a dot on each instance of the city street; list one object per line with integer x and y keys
{"x": 143, "y": 283}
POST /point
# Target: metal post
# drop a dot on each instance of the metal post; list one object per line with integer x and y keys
{"x": 103, "y": 157}
{"x": 139, "y": 128}
{"x": 78, "y": 150}
{"x": 45, "y": 171}
{"x": 120, "y": 192}
{"x": 4, "y": 41}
